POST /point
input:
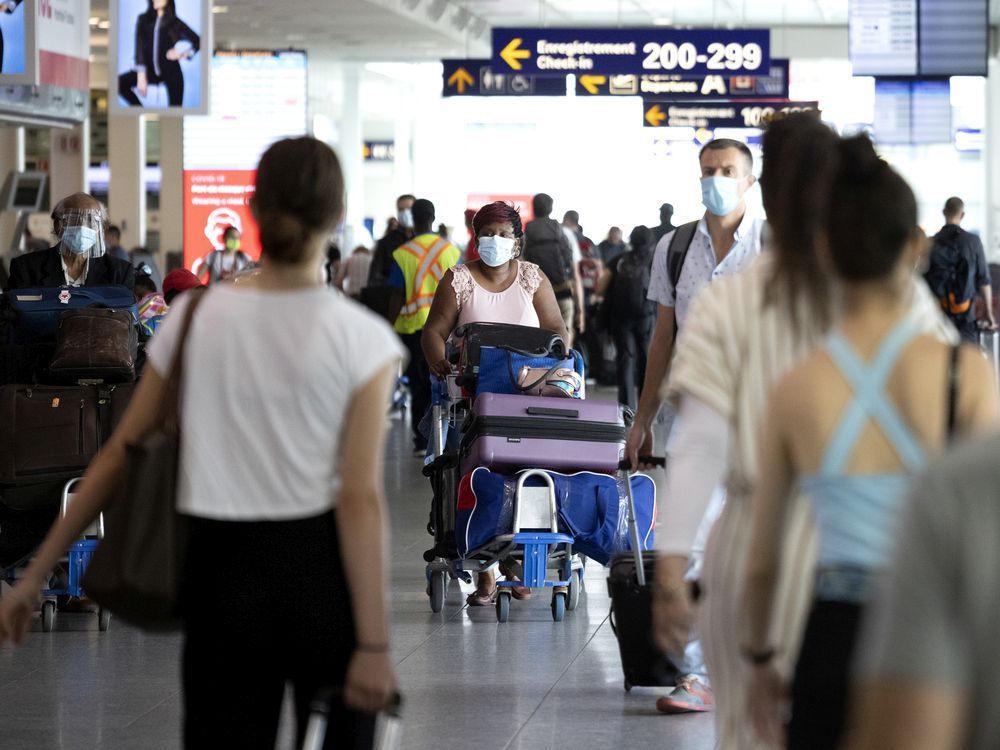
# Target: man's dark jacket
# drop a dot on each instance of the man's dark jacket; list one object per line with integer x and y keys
{"x": 44, "y": 269}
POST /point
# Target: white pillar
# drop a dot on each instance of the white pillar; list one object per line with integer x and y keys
{"x": 171, "y": 186}
{"x": 991, "y": 163}
{"x": 11, "y": 160}
{"x": 127, "y": 190}
{"x": 351, "y": 144}
{"x": 402, "y": 168}
{"x": 68, "y": 161}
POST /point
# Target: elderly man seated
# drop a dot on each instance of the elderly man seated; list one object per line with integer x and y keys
{"x": 79, "y": 259}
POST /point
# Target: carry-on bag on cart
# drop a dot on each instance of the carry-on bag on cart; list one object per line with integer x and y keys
{"x": 629, "y": 586}
{"x": 36, "y": 312}
{"x": 469, "y": 342}
{"x": 387, "y": 727}
{"x": 95, "y": 344}
{"x": 510, "y": 432}
{"x": 52, "y": 432}
{"x": 592, "y": 509}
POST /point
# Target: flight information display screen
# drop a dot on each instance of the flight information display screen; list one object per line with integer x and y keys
{"x": 912, "y": 38}
{"x": 912, "y": 113}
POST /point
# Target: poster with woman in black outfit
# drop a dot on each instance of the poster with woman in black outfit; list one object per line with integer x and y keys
{"x": 162, "y": 41}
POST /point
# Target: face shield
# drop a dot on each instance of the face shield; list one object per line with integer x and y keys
{"x": 82, "y": 232}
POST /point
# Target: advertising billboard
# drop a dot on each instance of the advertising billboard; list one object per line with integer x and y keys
{"x": 160, "y": 53}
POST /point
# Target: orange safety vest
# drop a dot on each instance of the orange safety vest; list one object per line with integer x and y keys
{"x": 424, "y": 261}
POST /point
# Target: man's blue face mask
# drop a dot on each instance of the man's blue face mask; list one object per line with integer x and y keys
{"x": 79, "y": 240}
{"x": 720, "y": 195}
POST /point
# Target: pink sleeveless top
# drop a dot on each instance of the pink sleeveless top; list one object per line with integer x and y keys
{"x": 514, "y": 305}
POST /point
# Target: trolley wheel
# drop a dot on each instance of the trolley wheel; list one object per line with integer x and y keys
{"x": 575, "y": 584}
{"x": 559, "y": 606}
{"x": 583, "y": 586}
{"x": 48, "y": 616}
{"x": 503, "y": 606}
{"x": 628, "y": 686}
{"x": 437, "y": 586}
{"x": 103, "y": 619}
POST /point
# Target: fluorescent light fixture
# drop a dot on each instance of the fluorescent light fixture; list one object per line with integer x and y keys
{"x": 104, "y": 25}
{"x": 663, "y": 21}
{"x": 94, "y": 20}
{"x": 220, "y": 8}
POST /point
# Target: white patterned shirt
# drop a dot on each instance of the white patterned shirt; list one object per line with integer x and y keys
{"x": 700, "y": 266}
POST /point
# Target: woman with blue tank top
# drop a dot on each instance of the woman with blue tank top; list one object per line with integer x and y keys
{"x": 849, "y": 426}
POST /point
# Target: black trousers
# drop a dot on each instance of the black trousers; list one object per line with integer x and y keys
{"x": 419, "y": 374}
{"x": 264, "y": 603}
{"x": 822, "y": 677}
{"x": 631, "y": 338}
{"x": 170, "y": 75}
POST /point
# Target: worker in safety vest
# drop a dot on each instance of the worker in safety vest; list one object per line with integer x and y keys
{"x": 417, "y": 269}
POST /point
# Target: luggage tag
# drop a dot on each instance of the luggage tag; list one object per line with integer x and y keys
{"x": 64, "y": 296}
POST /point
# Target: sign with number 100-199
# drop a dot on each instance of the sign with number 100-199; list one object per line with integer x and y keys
{"x": 631, "y": 51}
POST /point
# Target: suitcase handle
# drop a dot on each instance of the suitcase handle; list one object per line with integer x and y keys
{"x": 547, "y": 411}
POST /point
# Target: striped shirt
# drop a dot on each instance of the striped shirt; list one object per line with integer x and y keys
{"x": 732, "y": 350}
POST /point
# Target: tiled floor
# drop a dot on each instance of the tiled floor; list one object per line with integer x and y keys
{"x": 468, "y": 682}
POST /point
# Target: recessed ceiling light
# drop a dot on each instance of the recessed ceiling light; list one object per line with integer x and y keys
{"x": 94, "y": 20}
{"x": 104, "y": 25}
{"x": 663, "y": 21}
{"x": 220, "y": 8}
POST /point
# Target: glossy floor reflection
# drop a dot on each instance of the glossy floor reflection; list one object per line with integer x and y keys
{"x": 468, "y": 682}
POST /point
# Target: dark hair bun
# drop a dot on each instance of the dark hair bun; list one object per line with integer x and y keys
{"x": 858, "y": 160}
{"x": 299, "y": 193}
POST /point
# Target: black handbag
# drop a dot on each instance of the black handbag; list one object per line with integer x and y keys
{"x": 136, "y": 571}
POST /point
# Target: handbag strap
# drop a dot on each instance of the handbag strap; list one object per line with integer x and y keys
{"x": 523, "y": 388}
{"x": 952, "y": 391}
{"x": 170, "y": 406}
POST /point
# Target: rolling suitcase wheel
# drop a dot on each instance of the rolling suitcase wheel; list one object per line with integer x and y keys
{"x": 503, "y": 606}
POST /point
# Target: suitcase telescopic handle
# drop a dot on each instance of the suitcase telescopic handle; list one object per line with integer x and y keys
{"x": 633, "y": 520}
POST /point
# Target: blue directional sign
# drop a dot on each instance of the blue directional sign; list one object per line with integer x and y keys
{"x": 772, "y": 85}
{"x": 717, "y": 114}
{"x": 475, "y": 78}
{"x": 636, "y": 51}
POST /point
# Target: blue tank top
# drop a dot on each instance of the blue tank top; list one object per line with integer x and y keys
{"x": 856, "y": 514}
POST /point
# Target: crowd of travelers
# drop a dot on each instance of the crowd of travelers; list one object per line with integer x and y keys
{"x": 827, "y": 543}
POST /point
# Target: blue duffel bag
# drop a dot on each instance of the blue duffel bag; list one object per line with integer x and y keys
{"x": 36, "y": 310}
{"x": 593, "y": 508}
{"x": 499, "y": 369}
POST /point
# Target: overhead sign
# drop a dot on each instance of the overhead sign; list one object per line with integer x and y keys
{"x": 600, "y": 51}
{"x": 379, "y": 151}
{"x": 774, "y": 85}
{"x": 721, "y": 114}
{"x": 476, "y": 78}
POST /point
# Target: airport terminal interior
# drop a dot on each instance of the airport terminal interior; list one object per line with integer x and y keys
{"x": 597, "y": 165}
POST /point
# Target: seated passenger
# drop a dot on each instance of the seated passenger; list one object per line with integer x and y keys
{"x": 80, "y": 258}
{"x": 177, "y": 281}
{"x": 497, "y": 288}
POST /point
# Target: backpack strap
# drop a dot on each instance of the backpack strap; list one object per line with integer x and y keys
{"x": 677, "y": 252}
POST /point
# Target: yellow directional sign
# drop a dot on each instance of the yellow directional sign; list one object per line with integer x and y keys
{"x": 593, "y": 83}
{"x": 460, "y": 79}
{"x": 512, "y": 54}
{"x": 655, "y": 116}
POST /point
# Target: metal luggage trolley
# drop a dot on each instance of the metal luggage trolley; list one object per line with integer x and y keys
{"x": 72, "y": 568}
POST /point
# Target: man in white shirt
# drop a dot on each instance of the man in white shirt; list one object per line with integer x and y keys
{"x": 724, "y": 241}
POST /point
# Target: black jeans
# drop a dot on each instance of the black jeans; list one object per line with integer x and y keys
{"x": 822, "y": 676}
{"x": 631, "y": 338}
{"x": 170, "y": 75}
{"x": 265, "y": 603}
{"x": 419, "y": 374}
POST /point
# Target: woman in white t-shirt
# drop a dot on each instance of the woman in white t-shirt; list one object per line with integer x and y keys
{"x": 285, "y": 569}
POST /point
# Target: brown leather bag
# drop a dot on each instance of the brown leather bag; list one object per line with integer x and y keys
{"x": 136, "y": 571}
{"x": 95, "y": 343}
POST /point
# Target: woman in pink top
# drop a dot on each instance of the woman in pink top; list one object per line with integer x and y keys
{"x": 496, "y": 288}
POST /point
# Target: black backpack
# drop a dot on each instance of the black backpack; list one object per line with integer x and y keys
{"x": 630, "y": 286}
{"x": 552, "y": 254}
{"x": 951, "y": 278}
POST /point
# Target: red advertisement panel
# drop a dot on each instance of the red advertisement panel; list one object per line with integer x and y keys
{"x": 214, "y": 200}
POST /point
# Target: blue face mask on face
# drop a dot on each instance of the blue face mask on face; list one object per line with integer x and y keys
{"x": 495, "y": 251}
{"x": 720, "y": 195}
{"x": 79, "y": 240}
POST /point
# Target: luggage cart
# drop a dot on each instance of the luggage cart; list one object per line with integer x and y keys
{"x": 69, "y": 576}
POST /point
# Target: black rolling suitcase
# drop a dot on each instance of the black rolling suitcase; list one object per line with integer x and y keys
{"x": 643, "y": 664}
{"x": 387, "y": 728}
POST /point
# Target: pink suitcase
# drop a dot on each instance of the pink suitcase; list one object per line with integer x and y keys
{"x": 505, "y": 432}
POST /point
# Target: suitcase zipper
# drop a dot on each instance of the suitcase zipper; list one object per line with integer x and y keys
{"x": 555, "y": 429}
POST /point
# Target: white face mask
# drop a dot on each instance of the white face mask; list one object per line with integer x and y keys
{"x": 495, "y": 251}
